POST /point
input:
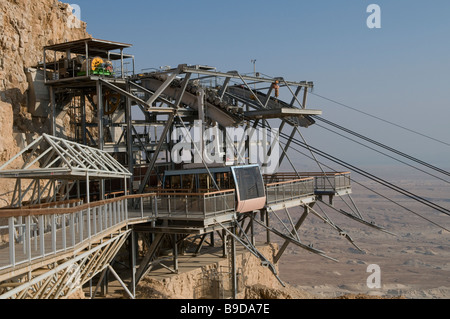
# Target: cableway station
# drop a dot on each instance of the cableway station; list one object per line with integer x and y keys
{"x": 170, "y": 157}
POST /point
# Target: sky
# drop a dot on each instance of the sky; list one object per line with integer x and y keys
{"x": 399, "y": 72}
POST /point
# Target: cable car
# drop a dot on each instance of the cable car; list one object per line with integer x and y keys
{"x": 246, "y": 180}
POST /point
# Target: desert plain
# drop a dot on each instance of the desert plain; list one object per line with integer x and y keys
{"x": 413, "y": 261}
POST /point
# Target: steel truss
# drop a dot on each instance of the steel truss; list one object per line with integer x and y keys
{"x": 133, "y": 118}
{"x": 62, "y": 164}
{"x": 158, "y": 102}
{"x": 60, "y": 279}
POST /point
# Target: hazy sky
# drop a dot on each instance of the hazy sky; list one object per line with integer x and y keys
{"x": 399, "y": 72}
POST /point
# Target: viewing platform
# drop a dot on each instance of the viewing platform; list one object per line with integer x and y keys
{"x": 328, "y": 183}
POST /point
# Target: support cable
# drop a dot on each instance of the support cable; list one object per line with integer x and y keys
{"x": 381, "y": 195}
{"x": 384, "y": 146}
{"x": 374, "y": 178}
{"x": 373, "y": 149}
{"x": 383, "y": 120}
{"x": 318, "y": 164}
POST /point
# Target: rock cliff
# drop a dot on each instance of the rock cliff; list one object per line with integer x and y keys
{"x": 26, "y": 27}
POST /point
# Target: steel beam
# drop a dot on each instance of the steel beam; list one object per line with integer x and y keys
{"x": 161, "y": 89}
{"x": 161, "y": 141}
{"x": 187, "y": 69}
{"x": 135, "y": 98}
{"x": 145, "y": 263}
{"x": 294, "y": 231}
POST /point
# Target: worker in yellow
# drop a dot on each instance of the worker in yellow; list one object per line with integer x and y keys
{"x": 276, "y": 87}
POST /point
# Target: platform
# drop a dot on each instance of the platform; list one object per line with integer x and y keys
{"x": 325, "y": 183}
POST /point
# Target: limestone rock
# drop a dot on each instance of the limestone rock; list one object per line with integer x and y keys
{"x": 25, "y": 28}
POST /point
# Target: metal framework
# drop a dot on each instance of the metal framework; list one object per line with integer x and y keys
{"x": 61, "y": 164}
{"x": 120, "y": 120}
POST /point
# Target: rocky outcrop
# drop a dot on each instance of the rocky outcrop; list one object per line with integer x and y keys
{"x": 260, "y": 291}
{"x": 255, "y": 281}
{"x": 25, "y": 28}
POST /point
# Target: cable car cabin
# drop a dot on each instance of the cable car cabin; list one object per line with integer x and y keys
{"x": 246, "y": 180}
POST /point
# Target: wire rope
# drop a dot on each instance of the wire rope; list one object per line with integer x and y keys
{"x": 381, "y": 119}
{"x": 369, "y": 175}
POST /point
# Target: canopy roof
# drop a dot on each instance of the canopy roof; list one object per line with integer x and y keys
{"x": 94, "y": 47}
{"x": 79, "y": 46}
{"x": 62, "y": 159}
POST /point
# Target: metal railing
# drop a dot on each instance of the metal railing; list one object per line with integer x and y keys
{"x": 332, "y": 182}
{"x": 289, "y": 190}
{"x": 328, "y": 182}
{"x": 28, "y": 234}
{"x": 195, "y": 205}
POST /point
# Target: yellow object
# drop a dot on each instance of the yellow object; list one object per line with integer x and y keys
{"x": 96, "y": 62}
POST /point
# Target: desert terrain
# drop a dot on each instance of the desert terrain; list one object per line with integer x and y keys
{"x": 414, "y": 263}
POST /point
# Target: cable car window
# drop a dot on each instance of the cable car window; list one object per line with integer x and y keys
{"x": 249, "y": 182}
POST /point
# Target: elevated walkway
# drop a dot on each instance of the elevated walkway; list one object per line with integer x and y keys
{"x": 44, "y": 245}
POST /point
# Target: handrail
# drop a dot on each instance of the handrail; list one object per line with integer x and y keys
{"x": 193, "y": 205}
{"x": 289, "y": 190}
{"x": 324, "y": 182}
{"x": 43, "y": 205}
{"x": 42, "y": 210}
{"x": 196, "y": 194}
{"x": 290, "y": 181}
{"x": 18, "y": 212}
{"x": 35, "y": 233}
{"x": 303, "y": 174}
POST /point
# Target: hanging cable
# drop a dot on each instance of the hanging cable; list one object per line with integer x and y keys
{"x": 380, "y": 119}
{"x": 396, "y": 159}
{"x": 375, "y": 178}
{"x": 370, "y": 176}
{"x": 383, "y": 146}
{"x": 379, "y": 194}
{"x": 320, "y": 166}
